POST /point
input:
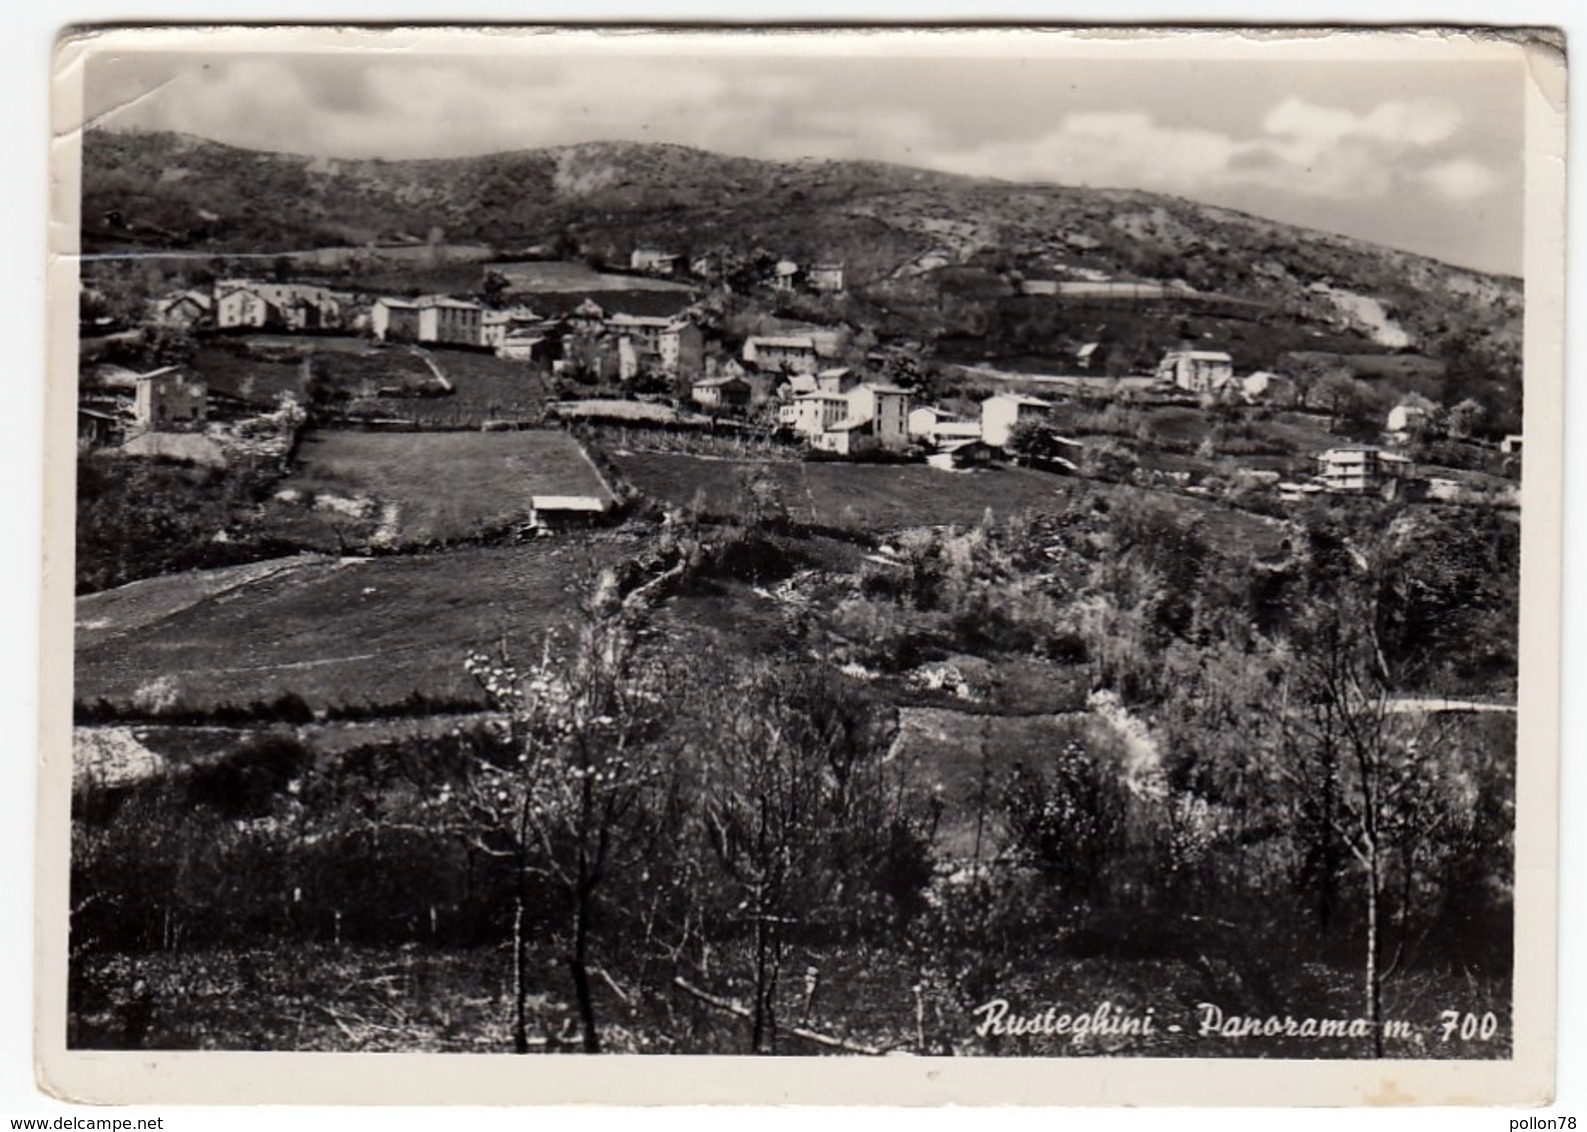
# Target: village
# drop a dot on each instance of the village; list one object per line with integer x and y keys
{"x": 660, "y": 358}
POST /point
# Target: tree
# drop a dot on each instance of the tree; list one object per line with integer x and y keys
{"x": 494, "y": 288}
{"x": 1310, "y": 373}
{"x": 808, "y": 827}
{"x": 1374, "y": 788}
{"x": 1028, "y": 439}
{"x": 587, "y": 800}
{"x": 1465, "y": 419}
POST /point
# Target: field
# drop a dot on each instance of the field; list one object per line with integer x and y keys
{"x": 885, "y": 497}
{"x": 338, "y": 633}
{"x": 256, "y": 380}
{"x": 408, "y": 488}
{"x": 558, "y": 275}
{"x": 861, "y": 497}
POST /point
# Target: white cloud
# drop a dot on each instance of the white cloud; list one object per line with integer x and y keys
{"x": 1419, "y": 122}
{"x": 1461, "y": 179}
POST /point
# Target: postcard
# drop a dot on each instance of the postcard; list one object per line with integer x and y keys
{"x": 852, "y": 566}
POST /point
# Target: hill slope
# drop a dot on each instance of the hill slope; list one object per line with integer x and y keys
{"x": 895, "y": 227}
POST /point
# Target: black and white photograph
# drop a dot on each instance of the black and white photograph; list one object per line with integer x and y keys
{"x": 890, "y": 544}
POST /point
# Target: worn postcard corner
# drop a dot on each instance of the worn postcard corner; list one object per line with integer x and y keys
{"x": 767, "y": 554}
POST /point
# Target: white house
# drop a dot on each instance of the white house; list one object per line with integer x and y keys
{"x": 1002, "y": 411}
{"x": 1199, "y": 371}
{"x": 291, "y": 306}
{"x": 785, "y": 276}
{"x": 1355, "y": 469}
{"x": 811, "y": 414}
{"x": 1406, "y": 417}
{"x": 429, "y": 318}
{"x": 243, "y": 307}
{"x": 794, "y": 353}
{"x": 923, "y": 420}
{"x": 653, "y": 260}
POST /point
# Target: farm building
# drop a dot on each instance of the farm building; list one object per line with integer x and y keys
{"x": 788, "y": 353}
{"x": 96, "y": 427}
{"x": 494, "y": 325}
{"x": 654, "y": 260}
{"x": 395, "y": 320}
{"x": 1002, "y": 411}
{"x": 721, "y": 392}
{"x": 1198, "y": 371}
{"x": 184, "y": 309}
{"x": 962, "y": 454}
{"x": 1086, "y": 355}
{"x": 1357, "y": 469}
{"x": 825, "y": 278}
{"x": 525, "y": 344}
{"x": 841, "y": 438}
{"x": 169, "y": 397}
{"x": 1264, "y": 386}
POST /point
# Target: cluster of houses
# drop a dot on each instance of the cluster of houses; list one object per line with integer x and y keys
{"x": 232, "y": 304}
{"x": 620, "y": 343}
{"x": 786, "y": 275}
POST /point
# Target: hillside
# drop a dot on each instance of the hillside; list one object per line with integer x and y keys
{"x": 909, "y": 237}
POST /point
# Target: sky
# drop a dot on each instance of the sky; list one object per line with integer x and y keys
{"x": 1424, "y": 155}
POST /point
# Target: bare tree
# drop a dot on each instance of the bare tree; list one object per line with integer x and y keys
{"x": 1370, "y": 779}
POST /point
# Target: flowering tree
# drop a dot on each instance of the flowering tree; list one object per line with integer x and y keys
{"x": 587, "y": 793}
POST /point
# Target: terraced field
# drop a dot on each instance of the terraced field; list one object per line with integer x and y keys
{"x": 337, "y": 632}
{"x": 416, "y": 488}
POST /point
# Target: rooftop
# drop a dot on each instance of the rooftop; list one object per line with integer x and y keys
{"x": 783, "y": 343}
{"x": 1020, "y": 399}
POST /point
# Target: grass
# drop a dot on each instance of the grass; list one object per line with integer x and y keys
{"x": 876, "y": 498}
{"x": 429, "y": 487}
{"x": 358, "y": 632}
{"x": 256, "y": 380}
{"x": 487, "y": 387}
{"x": 857, "y": 497}
{"x": 561, "y": 276}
